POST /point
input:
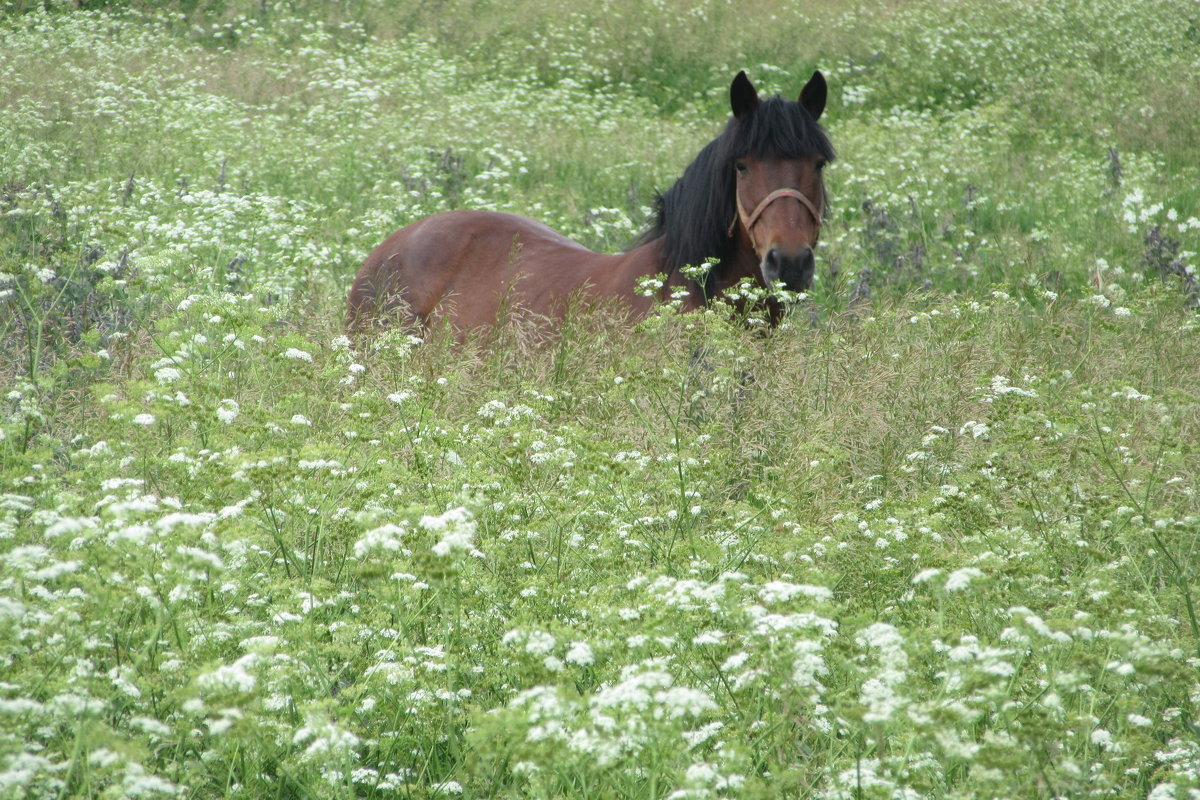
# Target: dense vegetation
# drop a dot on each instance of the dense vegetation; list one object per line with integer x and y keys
{"x": 936, "y": 536}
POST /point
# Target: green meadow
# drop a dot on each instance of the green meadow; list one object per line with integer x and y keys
{"x": 935, "y": 536}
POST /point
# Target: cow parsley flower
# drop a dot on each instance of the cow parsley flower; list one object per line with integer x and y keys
{"x": 961, "y": 578}
{"x": 782, "y": 591}
{"x": 235, "y": 677}
{"x": 881, "y": 700}
{"x": 326, "y": 740}
{"x": 580, "y": 653}
{"x": 682, "y": 701}
{"x": 386, "y": 538}
{"x": 925, "y": 575}
{"x": 296, "y": 354}
{"x": 539, "y": 643}
{"x": 1130, "y": 393}
{"x": 227, "y": 411}
{"x": 457, "y": 528}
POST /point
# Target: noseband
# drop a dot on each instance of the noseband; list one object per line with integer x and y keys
{"x": 748, "y": 220}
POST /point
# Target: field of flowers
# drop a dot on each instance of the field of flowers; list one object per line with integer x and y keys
{"x": 936, "y": 536}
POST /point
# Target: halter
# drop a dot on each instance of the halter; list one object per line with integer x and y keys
{"x": 748, "y": 220}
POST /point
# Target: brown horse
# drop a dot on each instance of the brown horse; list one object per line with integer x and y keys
{"x": 465, "y": 266}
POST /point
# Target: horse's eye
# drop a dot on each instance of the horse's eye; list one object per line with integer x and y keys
{"x": 820, "y": 166}
{"x": 741, "y": 167}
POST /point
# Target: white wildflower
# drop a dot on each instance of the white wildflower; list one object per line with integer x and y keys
{"x": 458, "y": 531}
{"x": 1163, "y": 791}
{"x": 880, "y": 699}
{"x": 228, "y": 410}
{"x": 235, "y": 677}
{"x": 682, "y": 701}
{"x": 782, "y": 591}
{"x": 1130, "y": 393}
{"x": 387, "y": 538}
{"x": 709, "y": 637}
{"x": 540, "y": 643}
{"x": 961, "y": 578}
{"x": 925, "y": 575}
{"x": 887, "y": 640}
{"x": 809, "y": 664}
{"x": 326, "y": 740}
{"x": 977, "y": 430}
{"x": 580, "y": 653}
{"x": 296, "y": 354}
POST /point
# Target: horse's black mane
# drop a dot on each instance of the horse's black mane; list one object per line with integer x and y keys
{"x": 693, "y": 216}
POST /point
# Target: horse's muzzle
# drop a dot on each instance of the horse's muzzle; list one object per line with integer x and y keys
{"x": 795, "y": 270}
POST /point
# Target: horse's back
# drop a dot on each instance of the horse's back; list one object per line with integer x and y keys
{"x": 469, "y": 260}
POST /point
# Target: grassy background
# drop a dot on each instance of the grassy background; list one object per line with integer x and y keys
{"x": 935, "y": 536}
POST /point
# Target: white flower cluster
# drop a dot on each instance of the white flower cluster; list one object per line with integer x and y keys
{"x": 457, "y": 529}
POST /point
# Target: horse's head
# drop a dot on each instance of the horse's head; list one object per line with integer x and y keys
{"x": 777, "y": 151}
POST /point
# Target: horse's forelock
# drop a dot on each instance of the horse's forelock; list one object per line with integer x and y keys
{"x": 778, "y": 128}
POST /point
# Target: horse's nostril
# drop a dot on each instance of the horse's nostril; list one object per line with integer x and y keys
{"x": 797, "y": 271}
{"x": 794, "y": 269}
{"x": 807, "y": 259}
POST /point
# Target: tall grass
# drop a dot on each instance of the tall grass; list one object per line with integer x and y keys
{"x": 934, "y": 536}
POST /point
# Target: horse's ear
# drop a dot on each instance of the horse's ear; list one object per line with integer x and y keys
{"x": 743, "y": 98}
{"x": 814, "y": 94}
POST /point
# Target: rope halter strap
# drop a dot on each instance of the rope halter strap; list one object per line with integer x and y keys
{"x": 748, "y": 220}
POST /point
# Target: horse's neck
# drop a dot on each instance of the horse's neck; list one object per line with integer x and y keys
{"x": 679, "y": 286}
{"x": 741, "y": 263}
{"x": 647, "y": 260}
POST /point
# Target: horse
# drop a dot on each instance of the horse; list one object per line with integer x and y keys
{"x": 750, "y": 204}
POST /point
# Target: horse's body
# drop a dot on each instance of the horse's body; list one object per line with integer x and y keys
{"x": 467, "y": 266}
{"x": 488, "y": 260}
